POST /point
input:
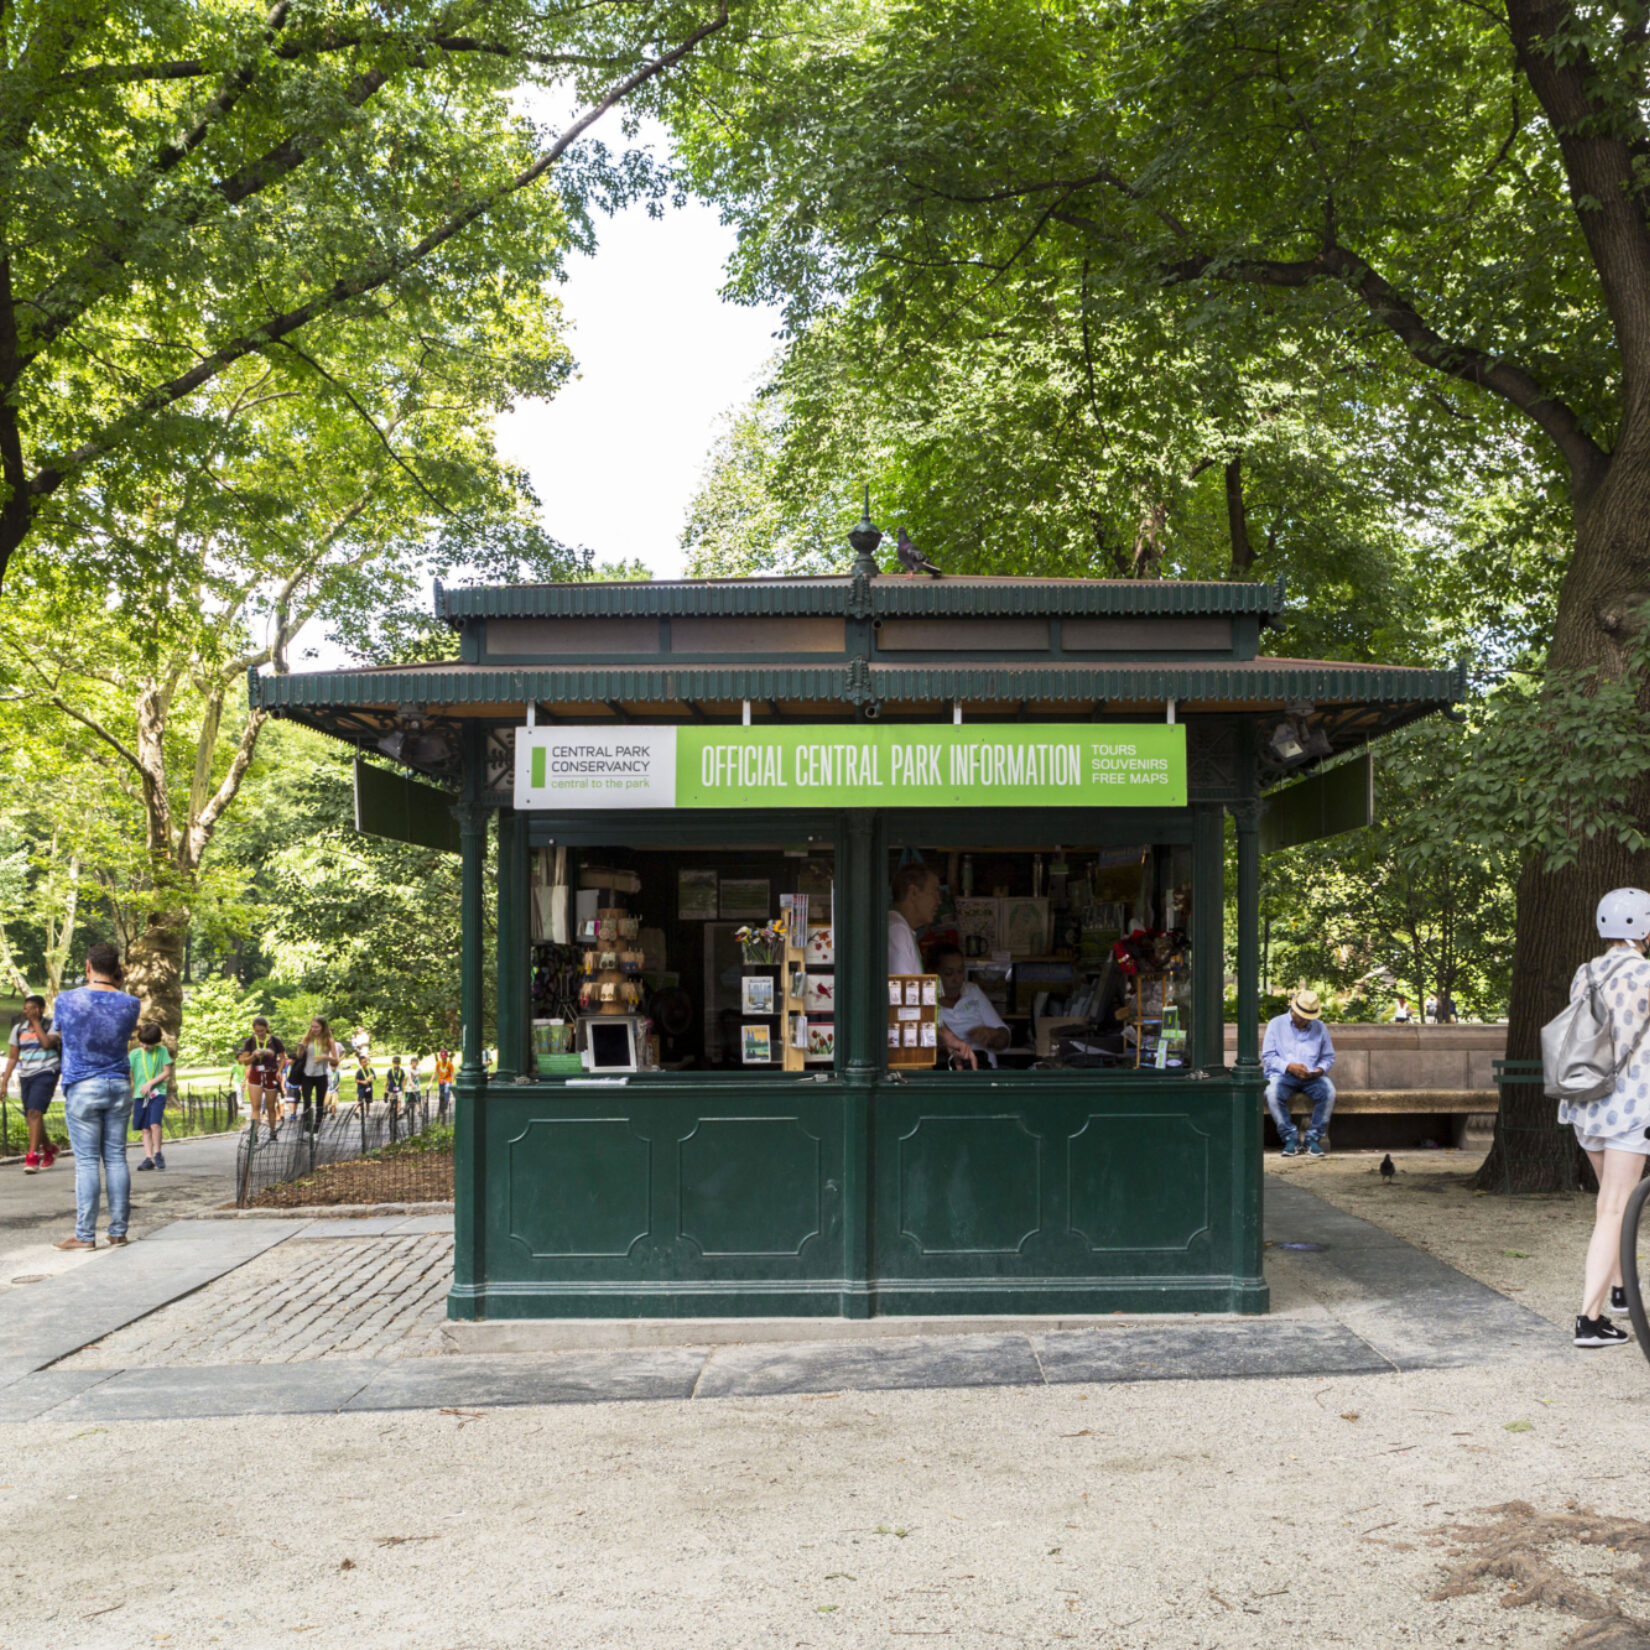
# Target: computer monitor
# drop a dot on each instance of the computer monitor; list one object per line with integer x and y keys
{"x": 610, "y": 1044}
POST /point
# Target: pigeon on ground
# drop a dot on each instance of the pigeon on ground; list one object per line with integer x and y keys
{"x": 1387, "y": 1170}
{"x": 913, "y": 560}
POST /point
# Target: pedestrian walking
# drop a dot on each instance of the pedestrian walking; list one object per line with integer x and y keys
{"x": 363, "y": 1078}
{"x": 32, "y": 1052}
{"x": 151, "y": 1065}
{"x": 261, "y": 1054}
{"x": 314, "y": 1060}
{"x": 95, "y": 1022}
{"x": 395, "y": 1085}
{"x": 1611, "y": 1130}
{"x": 444, "y": 1081}
{"x": 291, "y": 1092}
{"x": 1401, "y": 1015}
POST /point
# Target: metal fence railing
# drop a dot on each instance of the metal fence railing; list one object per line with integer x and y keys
{"x": 1546, "y": 1154}
{"x": 387, "y": 1151}
{"x": 201, "y": 1111}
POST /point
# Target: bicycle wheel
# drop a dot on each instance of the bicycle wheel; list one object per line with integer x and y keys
{"x": 1630, "y": 1264}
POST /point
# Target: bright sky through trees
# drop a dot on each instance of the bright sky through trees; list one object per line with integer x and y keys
{"x": 617, "y": 455}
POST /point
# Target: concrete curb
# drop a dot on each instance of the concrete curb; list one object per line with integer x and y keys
{"x": 133, "y": 1145}
{"x": 325, "y": 1211}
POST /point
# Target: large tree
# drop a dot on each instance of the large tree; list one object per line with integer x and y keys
{"x": 1452, "y": 199}
{"x": 299, "y": 498}
{"x": 187, "y": 184}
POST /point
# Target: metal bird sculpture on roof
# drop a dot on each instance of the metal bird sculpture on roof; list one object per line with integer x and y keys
{"x": 912, "y": 559}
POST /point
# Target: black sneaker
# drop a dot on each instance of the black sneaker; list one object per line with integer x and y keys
{"x": 1618, "y": 1299}
{"x": 1599, "y": 1331}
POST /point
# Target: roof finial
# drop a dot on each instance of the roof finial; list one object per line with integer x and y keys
{"x": 865, "y": 538}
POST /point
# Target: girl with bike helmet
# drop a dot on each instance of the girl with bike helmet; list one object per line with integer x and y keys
{"x": 1611, "y": 1130}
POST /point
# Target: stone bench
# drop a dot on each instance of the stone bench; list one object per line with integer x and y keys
{"x": 1406, "y": 1072}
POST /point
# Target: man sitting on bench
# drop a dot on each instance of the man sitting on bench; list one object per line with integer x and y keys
{"x": 1298, "y": 1056}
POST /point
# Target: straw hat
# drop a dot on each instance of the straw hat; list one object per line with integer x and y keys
{"x": 1305, "y": 1003}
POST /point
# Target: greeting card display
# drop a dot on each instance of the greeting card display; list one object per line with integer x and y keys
{"x": 913, "y": 1019}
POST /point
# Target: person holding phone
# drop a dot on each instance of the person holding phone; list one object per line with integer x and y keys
{"x": 96, "y": 1022}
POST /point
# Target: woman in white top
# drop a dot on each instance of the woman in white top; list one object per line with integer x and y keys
{"x": 1612, "y": 1130}
{"x": 314, "y": 1060}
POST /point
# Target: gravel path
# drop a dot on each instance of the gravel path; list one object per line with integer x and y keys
{"x": 1175, "y": 1516}
{"x": 1529, "y": 1248}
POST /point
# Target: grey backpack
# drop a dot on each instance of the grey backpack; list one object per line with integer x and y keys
{"x": 1578, "y": 1048}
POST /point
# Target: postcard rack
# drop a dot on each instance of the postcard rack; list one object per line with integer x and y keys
{"x": 916, "y": 1012}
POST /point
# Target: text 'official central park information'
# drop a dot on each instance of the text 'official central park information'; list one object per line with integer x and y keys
{"x": 1121, "y": 765}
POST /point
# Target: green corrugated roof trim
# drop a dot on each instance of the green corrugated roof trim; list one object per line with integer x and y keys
{"x": 1074, "y": 598}
{"x": 890, "y": 594}
{"x": 1260, "y": 681}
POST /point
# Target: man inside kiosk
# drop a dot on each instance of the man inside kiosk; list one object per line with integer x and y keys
{"x": 916, "y": 904}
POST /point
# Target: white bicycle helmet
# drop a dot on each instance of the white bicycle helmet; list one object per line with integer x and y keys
{"x": 1624, "y": 914}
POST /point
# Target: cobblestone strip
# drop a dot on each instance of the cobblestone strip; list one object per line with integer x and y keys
{"x": 332, "y": 1298}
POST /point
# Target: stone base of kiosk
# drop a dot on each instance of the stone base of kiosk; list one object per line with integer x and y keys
{"x": 610, "y": 1334}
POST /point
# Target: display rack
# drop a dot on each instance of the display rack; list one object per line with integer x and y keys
{"x": 611, "y": 983}
{"x": 792, "y": 968}
{"x": 923, "y": 1014}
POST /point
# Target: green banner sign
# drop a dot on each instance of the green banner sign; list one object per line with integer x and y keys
{"x": 998, "y": 765}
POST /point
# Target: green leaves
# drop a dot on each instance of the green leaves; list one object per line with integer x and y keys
{"x": 191, "y": 188}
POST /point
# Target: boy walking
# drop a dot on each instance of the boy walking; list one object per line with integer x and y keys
{"x": 151, "y": 1065}
{"x": 363, "y": 1078}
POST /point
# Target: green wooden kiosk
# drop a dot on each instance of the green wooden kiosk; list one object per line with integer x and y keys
{"x": 690, "y": 756}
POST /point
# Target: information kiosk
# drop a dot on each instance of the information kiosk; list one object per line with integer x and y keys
{"x": 699, "y": 798}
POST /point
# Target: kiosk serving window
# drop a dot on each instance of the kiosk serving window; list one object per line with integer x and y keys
{"x": 1046, "y": 957}
{"x": 682, "y": 959}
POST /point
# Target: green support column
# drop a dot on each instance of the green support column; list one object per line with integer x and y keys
{"x": 862, "y": 965}
{"x": 468, "y": 1294}
{"x": 1247, "y": 815}
{"x": 513, "y": 968}
{"x": 1248, "y": 1175}
{"x": 1208, "y": 938}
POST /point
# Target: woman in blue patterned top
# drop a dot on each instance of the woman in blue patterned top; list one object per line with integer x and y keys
{"x": 96, "y": 1022}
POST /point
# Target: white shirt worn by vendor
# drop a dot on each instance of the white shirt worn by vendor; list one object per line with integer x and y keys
{"x": 972, "y": 1011}
{"x": 903, "y": 955}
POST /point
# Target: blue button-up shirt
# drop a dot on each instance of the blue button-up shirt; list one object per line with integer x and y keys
{"x": 1286, "y": 1044}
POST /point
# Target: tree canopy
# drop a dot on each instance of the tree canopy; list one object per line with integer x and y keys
{"x": 189, "y": 184}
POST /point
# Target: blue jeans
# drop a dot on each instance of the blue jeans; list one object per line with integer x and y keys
{"x": 96, "y": 1109}
{"x": 1319, "y": 1090}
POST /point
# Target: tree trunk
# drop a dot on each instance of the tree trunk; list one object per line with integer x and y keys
{"x": 1237, "y": 520}
{"x": 154, "y": 970}
{"x": 1599, "y": 610}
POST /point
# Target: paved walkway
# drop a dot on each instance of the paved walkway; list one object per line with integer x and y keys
{"x": 195, "y": 1321}
{"x": 38, "y": 1209}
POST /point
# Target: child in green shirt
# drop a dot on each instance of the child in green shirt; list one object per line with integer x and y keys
{"x": 151, "y": 1066}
